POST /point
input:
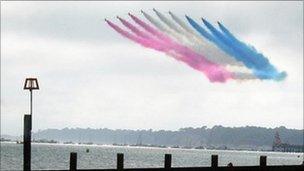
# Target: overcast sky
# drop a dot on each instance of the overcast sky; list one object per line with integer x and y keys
{"x": 90, "y": 76}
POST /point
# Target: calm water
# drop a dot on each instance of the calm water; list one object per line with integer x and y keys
{"x": 56, "y": 156}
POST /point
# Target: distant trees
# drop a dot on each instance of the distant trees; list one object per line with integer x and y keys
{"x": 216, "y": 136}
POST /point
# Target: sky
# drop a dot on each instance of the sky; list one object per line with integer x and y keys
{"x": 90, "y": 76}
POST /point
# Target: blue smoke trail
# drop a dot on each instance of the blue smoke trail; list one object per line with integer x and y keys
{"x": 248, "y": 55}
{"x": 261, "y": 61}
{"x": 218, "y": 42}
{"x": 201, "y": 30}
{"x": 261, "y": 65}
{"x": 248, "y": 61}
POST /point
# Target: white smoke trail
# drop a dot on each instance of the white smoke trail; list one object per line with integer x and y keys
{"x": 175, "y": 35}
{"x": 167, "y": 22}
{"x": 194, "y": 42}
{"x": 166, "y": 29}
{"x": 183, "y": 25}
{"x": 171, "y": 27}
{"x": 161, "y": 45}
{"x": 210, "y": 50}
{"x": 189, "y": 38}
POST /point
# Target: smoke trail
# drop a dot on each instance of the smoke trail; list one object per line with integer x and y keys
{"x": 134, "y": 38}
{"x": 236, "y": 75}
{"x": 198, "y": 52}
{"x": 140, "y": 33}
{"x": 213, "y": 39}
{"x": 167, "y": 21}
{"x": 148, "y": 44}
{"x": 214, "y": 73}
{"x": 181, "y": 34}
{"x": 260, "y": 64}
{"x": 209, "y": 49}
{"x": 229, "y": 50}
{"x": 261, "y": 61}
{"x": 200, "y": 29}
{"x": 154, "y": 22}
{"x": 181, "y": 23}
{"x": 163, "y": 28}
{"x": 203, "y": 47}
{"x": 162, "y": 36}
{"x": 185, "y": 50}
{"x": 159, "y": 46}
{"x": 220, "y": 37}
{"x": 174, "y": 35}
{"x": 222, "y": 44}
{"x": 133, "y": 28}
{"x": 175, "y": 28}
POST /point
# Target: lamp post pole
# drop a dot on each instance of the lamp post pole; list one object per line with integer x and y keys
{"x": 30, "y": 84}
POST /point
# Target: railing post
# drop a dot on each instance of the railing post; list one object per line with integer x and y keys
{"x": 263, "y": 161}
{"x": 214, "y": 161}
{"x": 27, "y": 142}
{"x": 168, "y": 160}
{"x": 120, "y": 161}
{"x": 73, "y": 161}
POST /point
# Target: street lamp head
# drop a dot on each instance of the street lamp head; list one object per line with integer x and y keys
{"x": 31, "y": 84}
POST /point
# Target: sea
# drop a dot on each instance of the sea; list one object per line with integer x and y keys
{"x": 56, "y": 156}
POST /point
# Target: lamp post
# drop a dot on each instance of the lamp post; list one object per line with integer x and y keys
{"x": 29, "y": 84}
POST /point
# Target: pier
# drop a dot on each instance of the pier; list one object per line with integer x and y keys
{"x": 285, "y": 147}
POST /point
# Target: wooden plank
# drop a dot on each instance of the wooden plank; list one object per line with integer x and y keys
{"x": 263, "y": 161}
{"x": 73, "y": 161}
{"x": 168, "y": 161}
{"x": 120, "y": 161}
{"x": 214, "y": 161}
{"x": 27, "y": 142}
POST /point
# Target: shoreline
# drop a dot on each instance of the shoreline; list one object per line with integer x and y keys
{"x": 157, "y": 148}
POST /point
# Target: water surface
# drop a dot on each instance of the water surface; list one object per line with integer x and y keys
{"x": 56, "y": 156}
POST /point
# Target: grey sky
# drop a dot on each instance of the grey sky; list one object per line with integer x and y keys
{"x": 92, "y": 77}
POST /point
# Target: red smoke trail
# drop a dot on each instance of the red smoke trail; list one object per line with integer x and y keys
{"x": 214, "y": 72}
